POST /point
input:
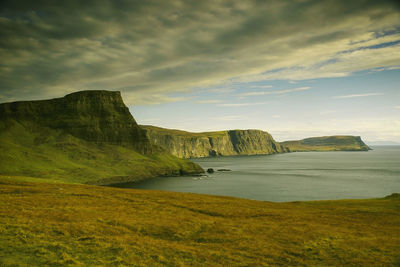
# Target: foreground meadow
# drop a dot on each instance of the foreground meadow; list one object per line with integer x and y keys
{"x": 57, "y": 224}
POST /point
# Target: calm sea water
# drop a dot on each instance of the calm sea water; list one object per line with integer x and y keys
{"x": 294, "y": 176}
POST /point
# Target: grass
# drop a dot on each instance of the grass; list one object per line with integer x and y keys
{"x": 50, "y": 224}
{"x": 28, "y": 150}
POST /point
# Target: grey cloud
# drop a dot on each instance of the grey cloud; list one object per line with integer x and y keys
{"x": 358, "y": 95}
{"x": 144, "y": 48}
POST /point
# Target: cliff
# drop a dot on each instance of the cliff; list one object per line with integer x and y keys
{"x": 223, "y": 143}
{"x": 95, "y": 116}
{"x": 327, "y": 143}
{"x": 87, "y": 136}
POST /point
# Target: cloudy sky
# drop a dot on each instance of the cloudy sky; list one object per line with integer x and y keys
{"x": 294, "y": 68}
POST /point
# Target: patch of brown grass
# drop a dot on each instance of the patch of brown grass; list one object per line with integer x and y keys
{"x": 65, "y": 224}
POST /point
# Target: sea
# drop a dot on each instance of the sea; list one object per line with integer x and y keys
{"x": 297, "y": 176}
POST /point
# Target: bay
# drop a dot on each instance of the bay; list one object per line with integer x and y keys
{"x": 293, "y": 176}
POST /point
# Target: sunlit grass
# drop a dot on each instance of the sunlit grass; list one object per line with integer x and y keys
{"x": 60, "y": 224}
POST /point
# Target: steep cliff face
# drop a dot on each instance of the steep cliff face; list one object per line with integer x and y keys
{"x": 88, "y": 136}
{"x": 327, "y": 143}
{"x": 223, "y": 143}
{"x": 95, "y": 116}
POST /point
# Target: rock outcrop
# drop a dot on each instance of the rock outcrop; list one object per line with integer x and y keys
{"x": 222, "y": 143}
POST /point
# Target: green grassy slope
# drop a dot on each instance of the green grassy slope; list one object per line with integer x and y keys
{"x": 327, "y": 143}
{"x": 31, "y": 150}
{"x": 44, "y": 224}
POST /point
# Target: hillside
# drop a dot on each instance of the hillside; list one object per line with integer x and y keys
{"x": 88, "y": 136}
{"x": 223, "y": 143}
{"x": 44, "y": 224}
{"x": 327, "y": 143}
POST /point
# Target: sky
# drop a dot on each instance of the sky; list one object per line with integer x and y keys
{"x": 295, "y": 68}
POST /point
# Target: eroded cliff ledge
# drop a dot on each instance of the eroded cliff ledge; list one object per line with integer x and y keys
{"x": 222, "y": 143}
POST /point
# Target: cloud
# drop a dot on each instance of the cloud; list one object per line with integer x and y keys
{"x": 261, "y": 86}
{"x": 241, "y": 104}
{"x": 357, "y": 95}
{"x": 397, "y": 107}
{"x": 279, "y": 92}
{"x": 211, "y": 101}
{"x": 230, "y": 118}
{"x": 150, "y": 99}
{"x": 326, "y": 112}
{"x": 157, "y": 48}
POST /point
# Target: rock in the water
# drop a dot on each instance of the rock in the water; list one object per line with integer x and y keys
{"x": 210, "y": 170}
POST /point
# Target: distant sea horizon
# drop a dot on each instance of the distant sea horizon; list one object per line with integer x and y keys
{"x": 382, "y": 143}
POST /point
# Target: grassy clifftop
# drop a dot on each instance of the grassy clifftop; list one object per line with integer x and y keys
{"x": 327, "y": 143}
{"x": 221, "y": 143}
{"x": 59, "y": 224}
{"x": 87, "y": 136}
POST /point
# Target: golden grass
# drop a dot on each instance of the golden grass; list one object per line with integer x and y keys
{"x": 65, "y": 224}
